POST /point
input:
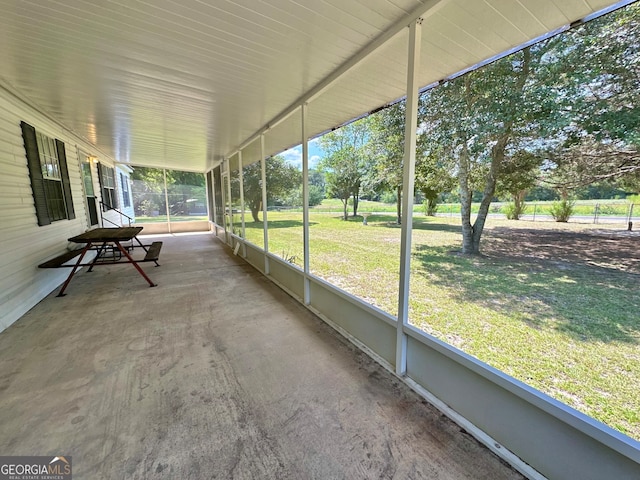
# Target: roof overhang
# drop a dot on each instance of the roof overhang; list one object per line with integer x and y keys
{"x": 184, "y": 84}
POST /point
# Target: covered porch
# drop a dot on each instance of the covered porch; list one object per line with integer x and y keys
{"x": 214, "y": 373}
{"x": 241, "y": 364}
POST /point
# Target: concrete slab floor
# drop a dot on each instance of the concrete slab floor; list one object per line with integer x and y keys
{"x": 214, "y": 373}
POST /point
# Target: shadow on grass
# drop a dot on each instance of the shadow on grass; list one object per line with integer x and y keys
{"x": 587, "y": 303}
{"x": 426, "y": 224}
{"x": 606, "y": 249}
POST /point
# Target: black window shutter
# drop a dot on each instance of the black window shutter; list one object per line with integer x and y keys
{"x": 35, "y": 172}
{"x": 114, "y": 195}
{"x": 66, "y": 184}
{"x": 102, "y": 189}
{"x": 99, "y": 175}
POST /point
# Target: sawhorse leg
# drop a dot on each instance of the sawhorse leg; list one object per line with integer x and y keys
{"x": 74, "y": 269}
{"x": 135, "y": 264}
{"x": 101, "y": 248}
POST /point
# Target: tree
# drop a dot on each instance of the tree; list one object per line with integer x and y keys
{"x": 182, "y": 187}
{"x": 518, "y": 176}
{"x": 317, "y": 187}
{"x": 281, "y": 177}
{"x": 478, "y": 121}
{"x": 433, "y": 177}
{"x": 589, "y": 162}
{"x": 387, "y": 148}
{"x": 599, "y": 88}
{"x": 148, "y": 191}
{"x": 346, "y": 161}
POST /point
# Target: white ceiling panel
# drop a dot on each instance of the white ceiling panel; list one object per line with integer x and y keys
{"x": 251, "y": 153}
{"x": 183, "y": 83}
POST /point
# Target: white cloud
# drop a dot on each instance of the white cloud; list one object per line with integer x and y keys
{"x": 313, "y": 161}
{"x": 293, "y": 156}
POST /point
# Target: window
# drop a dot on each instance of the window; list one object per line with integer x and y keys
{"x": 108, "y": 185}
{"x": 47, "y": 162}
{"x": 124, "y": 183}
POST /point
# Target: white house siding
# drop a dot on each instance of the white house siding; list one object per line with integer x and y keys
{"x": 24, "y": 244}
{"x": 126, "y": 171}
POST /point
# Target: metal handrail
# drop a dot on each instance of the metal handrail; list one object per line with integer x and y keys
{"x": 109, "y": 207}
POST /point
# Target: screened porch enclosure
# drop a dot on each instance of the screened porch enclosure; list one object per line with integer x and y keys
{"x": 205, "y": 100}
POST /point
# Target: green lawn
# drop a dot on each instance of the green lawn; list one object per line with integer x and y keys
{"x": 569, "y": 328}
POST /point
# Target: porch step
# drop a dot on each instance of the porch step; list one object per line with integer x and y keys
{"x": 153, "y": 253}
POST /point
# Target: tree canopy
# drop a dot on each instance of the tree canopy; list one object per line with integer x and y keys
{"x": 346, "y": 161}
{"x": 561, "y": 114}
{"x": 281, "y": 177}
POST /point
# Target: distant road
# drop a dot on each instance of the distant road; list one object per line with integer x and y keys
{"x": 617, "y": 219}
{"x": 548, "y": 218}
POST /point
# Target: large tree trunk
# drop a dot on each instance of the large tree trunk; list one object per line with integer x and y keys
{"x": 399, "y": 204}
{"x": 254, "y": 214}
{"x": 356, "y": 198}
{"x": 255, "y": 208}
{"x": 466, "y": 194}
{"x": 345, "y": 213}
{"x": 471, "y": 234}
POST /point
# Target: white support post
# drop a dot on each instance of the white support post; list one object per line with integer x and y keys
{"x": 228, "y": 206}
{"x": 213, "y": 203}
{"x": 409, "y": 164}
{"x": 240, "y": 179}
{"x": 166, "y": 199}
{"x": 305, "y": 201}
{"x": 265, "y": 224}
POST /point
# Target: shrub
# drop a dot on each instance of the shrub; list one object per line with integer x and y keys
{"x": 562, "y": 211}
{"x": 389, "y": 197}
{"x": 147, "y": 207}
{"x": 514, "y": 211}
{"x": 430, "y": 207}
{"x": 316, "y": 195}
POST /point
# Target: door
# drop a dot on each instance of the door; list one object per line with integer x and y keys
{"x": 90, "y": 197}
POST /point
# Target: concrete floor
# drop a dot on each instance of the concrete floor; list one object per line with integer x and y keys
{"x": 214, "y": 373}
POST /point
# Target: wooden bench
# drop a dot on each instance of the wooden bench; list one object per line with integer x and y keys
{"x": 60, "y": 260}
{"x": 153, "y": 253}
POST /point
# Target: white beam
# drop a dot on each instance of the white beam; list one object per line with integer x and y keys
{"x": 409, "y": 164}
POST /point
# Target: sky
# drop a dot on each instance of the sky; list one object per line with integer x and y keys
{"x": 293, "y": 156}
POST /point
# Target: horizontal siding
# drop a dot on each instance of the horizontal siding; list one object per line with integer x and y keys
{"x": 126, "y": 210}
{"x": 24, "y": 244}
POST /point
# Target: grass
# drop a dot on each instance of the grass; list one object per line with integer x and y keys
{"x": 568, "y": 328}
